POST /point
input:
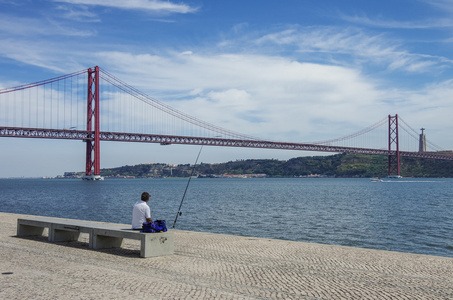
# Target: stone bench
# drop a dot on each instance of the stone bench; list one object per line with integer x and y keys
{"x": 101, "y": 235}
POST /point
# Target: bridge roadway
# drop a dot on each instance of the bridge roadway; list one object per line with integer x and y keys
{"x": 206, "y": 141}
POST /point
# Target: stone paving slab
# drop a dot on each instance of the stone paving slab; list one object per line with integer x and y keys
{"x": 214, "y": 266}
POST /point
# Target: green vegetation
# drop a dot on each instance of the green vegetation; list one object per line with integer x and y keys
{"x": 339, "y": 165}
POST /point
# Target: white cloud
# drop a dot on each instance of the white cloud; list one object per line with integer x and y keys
{"x": 147, "y": 5}
{"x": 80, "y": 13}
{"x": 30, "y": 27}
{"x": 36, "y": 53}
{"x": 252, "y": 94}
{"x": 385, "y": 23}
{"x": 443, "y": 5}
{"x": 352, "y": 46}
{"x": 186, "y": 53}
{"x": 278, "y": 98}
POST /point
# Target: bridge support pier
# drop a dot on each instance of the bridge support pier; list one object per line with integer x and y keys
{"x": 92, "y": 169}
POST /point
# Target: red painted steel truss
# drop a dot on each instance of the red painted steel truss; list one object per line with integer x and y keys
{"x": 93, "y": 164}
{"x": 187, "y": 140}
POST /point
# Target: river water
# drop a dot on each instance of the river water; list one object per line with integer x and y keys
{"x": 408, "y": 215}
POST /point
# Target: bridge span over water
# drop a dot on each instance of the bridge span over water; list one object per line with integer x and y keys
{"x": 46, "y": 107}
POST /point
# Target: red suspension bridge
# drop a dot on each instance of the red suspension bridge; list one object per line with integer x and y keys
{"x": 93, "y": 105}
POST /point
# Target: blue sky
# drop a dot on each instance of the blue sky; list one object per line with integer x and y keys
{"x": 307, "y": 70}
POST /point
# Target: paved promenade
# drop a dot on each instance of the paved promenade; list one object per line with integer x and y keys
{"x": 215, "y": 266}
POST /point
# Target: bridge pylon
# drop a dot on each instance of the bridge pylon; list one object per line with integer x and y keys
{"x": 92, "y": 170}
{"x": 394, "y": 150}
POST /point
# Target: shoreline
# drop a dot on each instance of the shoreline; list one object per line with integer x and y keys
{"x": 240, "y": 176}
{"x": 208, "y": 266}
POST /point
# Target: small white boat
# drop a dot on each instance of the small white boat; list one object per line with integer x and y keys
{"x": 93, "y": 177}
{"x": 376, "y": 180}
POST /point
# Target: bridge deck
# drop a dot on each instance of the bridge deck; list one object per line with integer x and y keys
{"x": 205, "y": 141}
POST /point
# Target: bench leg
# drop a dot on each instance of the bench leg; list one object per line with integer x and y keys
{"x": 58, "y": 235}
{"x": 29, "y": 230}
{"x": 157, "y": 244}
{"x": 102, "y": 242}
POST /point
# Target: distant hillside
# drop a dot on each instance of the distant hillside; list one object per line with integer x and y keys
{"x": 339, "y": 165}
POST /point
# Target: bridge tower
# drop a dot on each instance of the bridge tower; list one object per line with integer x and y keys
{"x": 394, "y": 150}
{"x": 92, "y": 170}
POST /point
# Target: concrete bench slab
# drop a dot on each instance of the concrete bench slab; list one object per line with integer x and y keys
{"x": 101, "y": 235}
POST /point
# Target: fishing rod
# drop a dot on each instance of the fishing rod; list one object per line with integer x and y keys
{"x": 187, "y": 186}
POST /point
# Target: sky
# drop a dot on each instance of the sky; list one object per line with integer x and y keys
{"x": 292, "y": 70}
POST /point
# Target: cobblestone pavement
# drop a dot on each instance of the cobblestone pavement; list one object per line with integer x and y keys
{"x": 214, "y": 266}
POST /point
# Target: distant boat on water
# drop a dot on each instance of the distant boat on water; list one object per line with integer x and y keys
{"x": 92, "y": 177}
{"x": 376, "y": 179}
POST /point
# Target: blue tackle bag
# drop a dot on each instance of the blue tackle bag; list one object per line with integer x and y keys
{"x": 155, "y": 226}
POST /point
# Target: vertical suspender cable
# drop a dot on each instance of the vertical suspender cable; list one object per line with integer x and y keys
{"x": 29, "y": 108}
{"x": 22, "y": 109}
{"x": 37, "y": 108}
{"x": 14, "y": 110}
{"x": 64, "y": 105}
{"x": 58, "y": 104}
{"x": 70, "y": 108}
{"x": 51, "y": 104}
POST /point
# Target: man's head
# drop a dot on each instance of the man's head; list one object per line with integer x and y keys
{"x": 145, "y": 196}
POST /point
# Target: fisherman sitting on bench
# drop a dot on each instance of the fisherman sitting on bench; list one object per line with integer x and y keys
{"x": 141, "y": 212}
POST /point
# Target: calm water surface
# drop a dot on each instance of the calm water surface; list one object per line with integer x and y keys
{"x": 410, "y": 215}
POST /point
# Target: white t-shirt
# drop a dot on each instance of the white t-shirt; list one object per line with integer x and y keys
{"x": 140, "y": 213}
